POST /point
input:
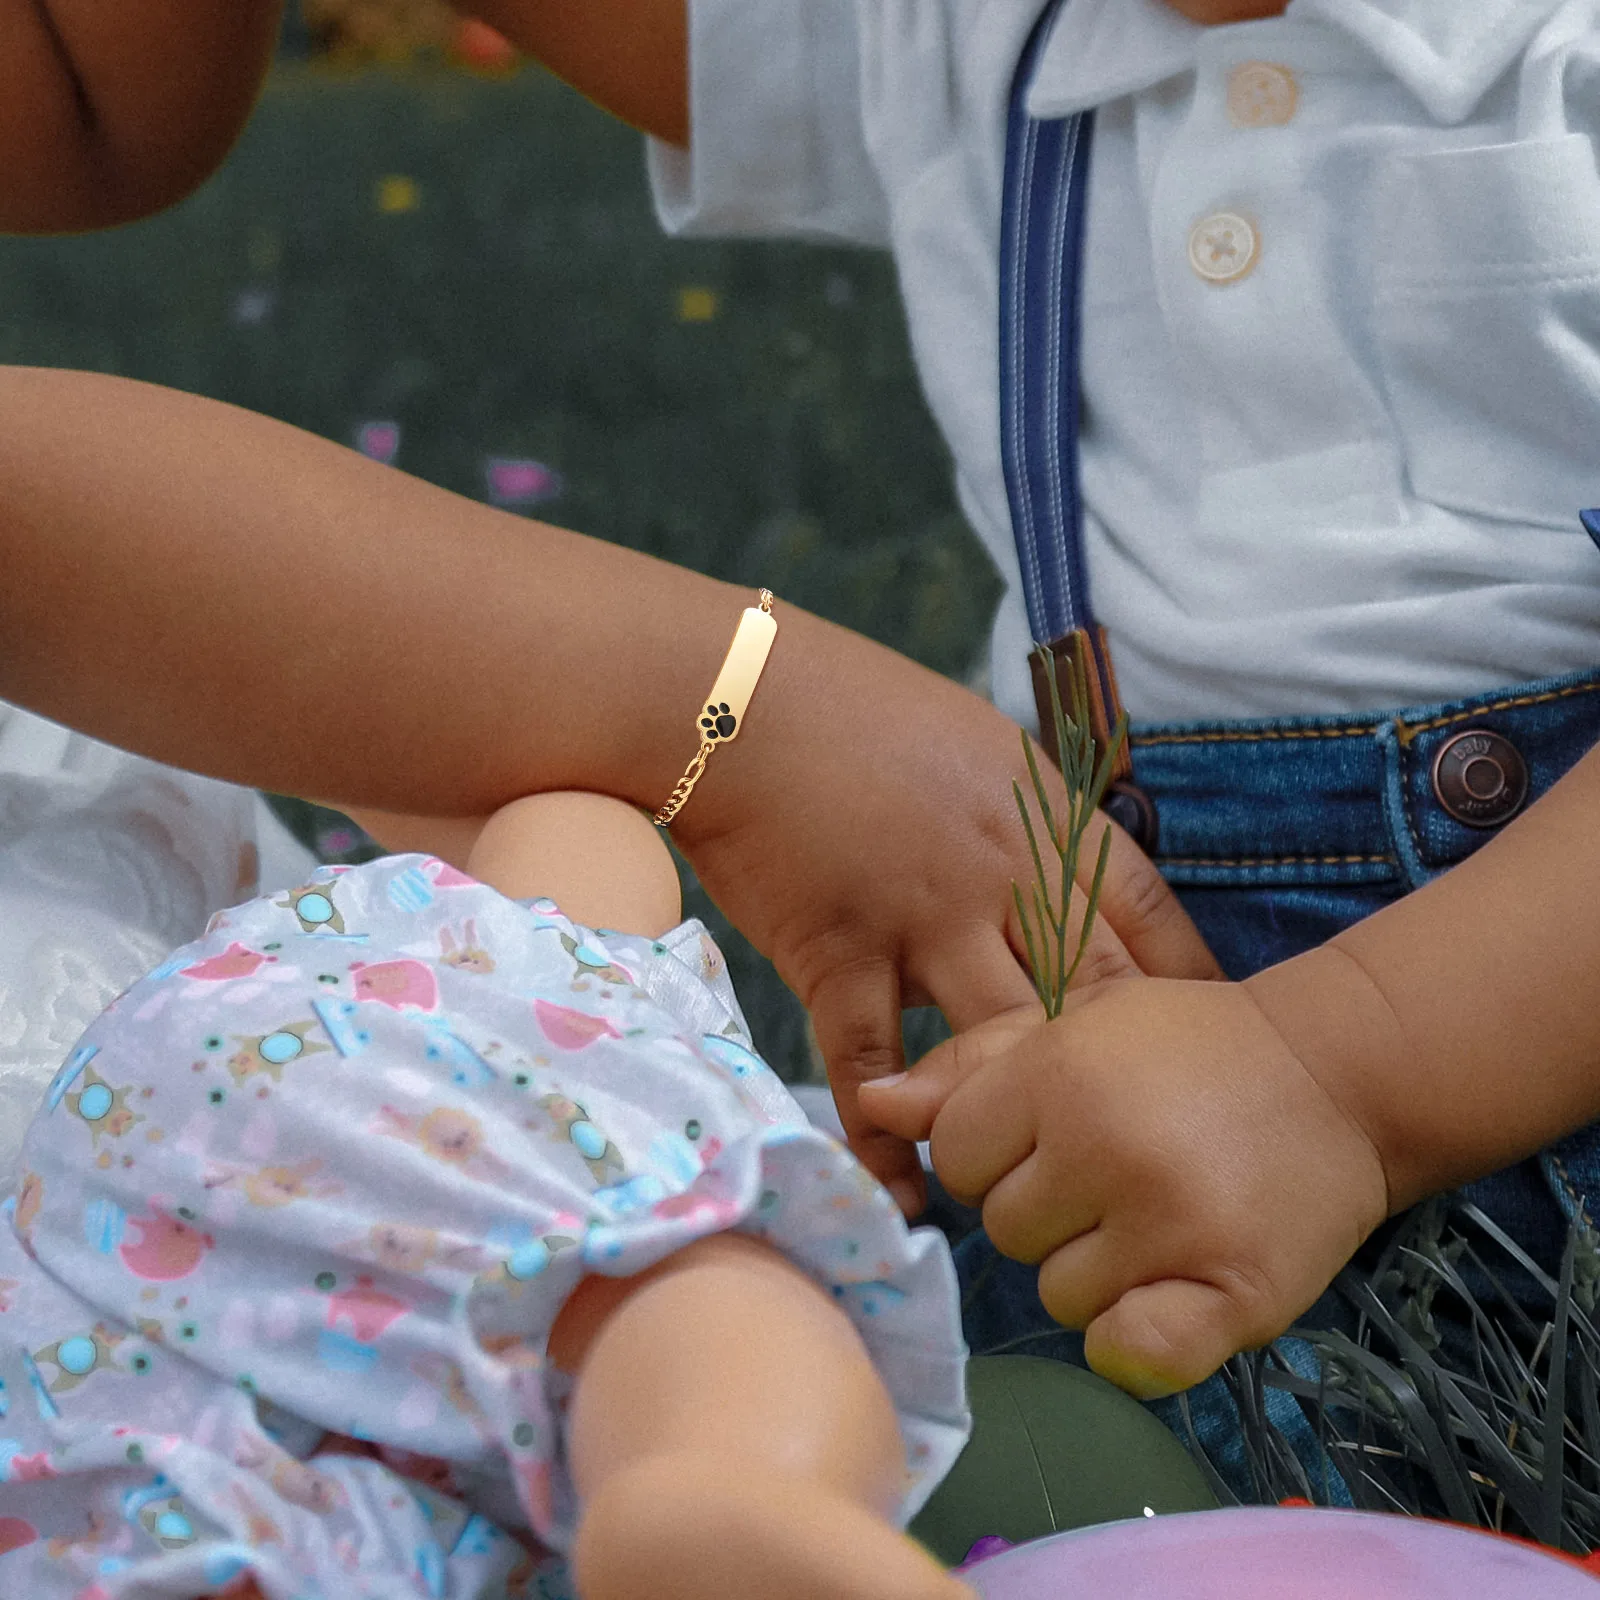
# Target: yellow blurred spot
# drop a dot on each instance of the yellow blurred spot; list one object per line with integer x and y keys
{"x": 264, "y": 250}
{"x": 398, "y": 193}
{"x": 697, "y": 305}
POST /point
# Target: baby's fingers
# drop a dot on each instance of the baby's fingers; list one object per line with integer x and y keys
{"x": 907, "y": 1103}
{"x": 1166, "y": 1336}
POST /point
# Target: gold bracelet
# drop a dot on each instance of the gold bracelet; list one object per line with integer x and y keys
{"x": 723, "y": 716}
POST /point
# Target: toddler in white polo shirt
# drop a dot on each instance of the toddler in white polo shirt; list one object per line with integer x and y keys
{"x": 1341, "y": 283}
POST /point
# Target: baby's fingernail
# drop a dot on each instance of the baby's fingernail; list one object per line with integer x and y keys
{"x": 907, "y": 1196}
{"x": 888, "y": 1082}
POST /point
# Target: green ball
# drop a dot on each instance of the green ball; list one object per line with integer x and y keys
{"x": 1053, "y": 1447}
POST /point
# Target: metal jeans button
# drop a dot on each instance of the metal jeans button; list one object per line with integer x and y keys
{"x": 1480, "y": 778}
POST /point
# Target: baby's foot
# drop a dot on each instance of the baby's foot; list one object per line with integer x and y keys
{"x": 686, "y": 1528}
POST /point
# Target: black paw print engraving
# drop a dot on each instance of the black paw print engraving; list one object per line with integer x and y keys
{"x": 719, "y": 722}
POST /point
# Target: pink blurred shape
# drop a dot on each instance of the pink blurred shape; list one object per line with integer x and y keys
{"x": 1268, "y": 1553}
{"x": 379, "y": 440}
{"x": 518, "y": 481}
{"x": 991, "y": 1544}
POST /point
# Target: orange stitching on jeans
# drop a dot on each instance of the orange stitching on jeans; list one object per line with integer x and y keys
{"x": 1269, "y": 861}
{"x": 1407, "y": 732}
{"x": 1577, "y": 1200}
{"x": 1250, "y": 738}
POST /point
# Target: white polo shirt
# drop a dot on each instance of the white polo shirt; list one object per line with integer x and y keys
{"x": 1341, "y": 312}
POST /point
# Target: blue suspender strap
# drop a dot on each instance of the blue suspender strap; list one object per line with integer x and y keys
{"x": 1041, "y": 256}
{"x": 1041, "y": 238}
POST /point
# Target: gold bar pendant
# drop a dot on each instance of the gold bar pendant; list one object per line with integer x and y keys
{"x": 723, "y": 714}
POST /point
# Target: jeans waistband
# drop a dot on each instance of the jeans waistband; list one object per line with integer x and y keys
{"x": 1343, "y": 799}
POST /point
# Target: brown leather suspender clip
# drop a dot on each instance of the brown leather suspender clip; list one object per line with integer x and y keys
{"x": 1125, "y": 802}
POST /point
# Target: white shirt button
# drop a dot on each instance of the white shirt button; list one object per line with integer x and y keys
{"x": 1262, "y": 94}
{"x": 1223, "y": 247}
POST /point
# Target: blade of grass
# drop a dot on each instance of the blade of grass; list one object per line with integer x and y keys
{"x": 1552, "y": 1467}
{"x": 1086, "y": 783}
{"x": 1453, "y": 1484}
{"x": 1108, "y": 764}
{"x": 1092, "y": 904}
{"x": 1039, "y": 790}
{"x": 1027, "y": 823}
{"x": 1027, "y": 930}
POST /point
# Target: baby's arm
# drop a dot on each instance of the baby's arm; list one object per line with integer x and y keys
{"x": 1461, "y": 1025}
{"x": 1192, "y": 1163}
{"x": 110, "y": 111}
{"x": 215, "y": 589}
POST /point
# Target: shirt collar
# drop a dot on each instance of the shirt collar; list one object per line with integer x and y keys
{"x": 1100, "y": 50}
{"x": 1446, "y": 52}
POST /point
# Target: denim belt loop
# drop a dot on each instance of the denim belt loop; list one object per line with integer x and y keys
{"x": 1396, "y": 811}
{"x": 1278, "y": 833}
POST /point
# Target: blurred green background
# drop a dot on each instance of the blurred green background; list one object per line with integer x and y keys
{"x": 474, "y": 259}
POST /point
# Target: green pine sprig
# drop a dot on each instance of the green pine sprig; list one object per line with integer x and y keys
{"x": 1087, "y": 773}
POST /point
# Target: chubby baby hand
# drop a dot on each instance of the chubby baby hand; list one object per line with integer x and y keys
{"x": 1185, "y": 1183}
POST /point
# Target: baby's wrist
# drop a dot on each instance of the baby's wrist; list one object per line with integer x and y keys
{"x": 675, "y": 636}
{"x": 776, "y": 741}
{"x": 1338, "y": 1023}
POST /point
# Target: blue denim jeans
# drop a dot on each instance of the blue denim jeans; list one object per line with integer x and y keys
{"x": 1277, "y": 835}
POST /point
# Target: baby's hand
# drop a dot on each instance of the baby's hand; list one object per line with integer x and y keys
{"x": 1186, "y": 1184}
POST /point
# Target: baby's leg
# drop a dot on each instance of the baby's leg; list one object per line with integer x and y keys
{"x": 449, "y": 838}
{"x": 728, "y": 1435}
{"x": 601, "y": 860}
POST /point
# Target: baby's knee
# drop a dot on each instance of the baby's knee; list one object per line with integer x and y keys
{"x": 600, "y": 859}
